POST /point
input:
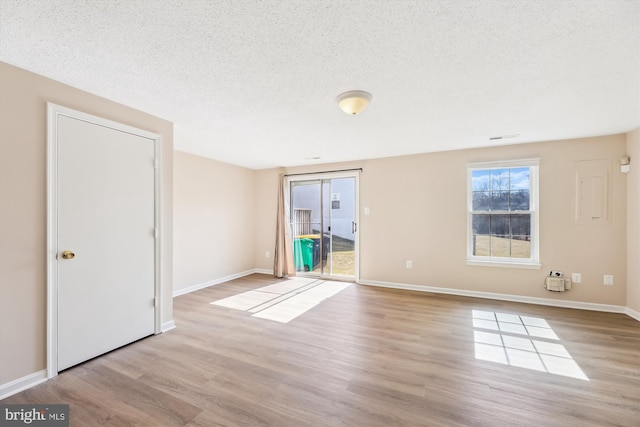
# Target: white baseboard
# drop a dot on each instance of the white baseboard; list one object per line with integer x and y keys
{"x": 167, "y": 326}
{"x": 16, "y": 386}
{"x": 435, "y": 289}
{"x": 632, "y": 313}
{"x": 193, "y": 288}
{"x": 506, "y": 297}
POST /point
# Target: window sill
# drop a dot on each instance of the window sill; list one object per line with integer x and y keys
{"x": 504, "y": 264}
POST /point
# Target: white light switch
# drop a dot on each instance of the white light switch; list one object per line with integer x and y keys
{"x": 608, "y": 279}
{"x": 367, "y": 211}
{"x": 409, "y": 264}
{"x": 576, "y": 277}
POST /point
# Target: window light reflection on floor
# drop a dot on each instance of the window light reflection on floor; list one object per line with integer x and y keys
{"x": 522, "y": 341}
{"x": 285, "y": 300}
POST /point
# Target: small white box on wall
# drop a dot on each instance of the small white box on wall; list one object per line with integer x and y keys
{"x": 557, "y": 284}
{"x": 592, "y": 201}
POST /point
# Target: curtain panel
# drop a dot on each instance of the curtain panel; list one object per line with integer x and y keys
{"x": 283, "y": 253}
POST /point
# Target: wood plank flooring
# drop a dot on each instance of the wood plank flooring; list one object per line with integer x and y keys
{"x": 365, "y": 357}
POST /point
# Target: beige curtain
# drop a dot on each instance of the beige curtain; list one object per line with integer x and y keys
{"x": 283, "y": 256}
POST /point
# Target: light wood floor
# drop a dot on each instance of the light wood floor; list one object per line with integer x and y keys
{"x": 366, "y": 357}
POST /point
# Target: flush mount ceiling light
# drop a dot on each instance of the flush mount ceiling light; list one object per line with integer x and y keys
{"x": 354, "y": 101}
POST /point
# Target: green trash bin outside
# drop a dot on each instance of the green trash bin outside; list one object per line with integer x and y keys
{"x": 303, "y": 254}
{"x": 316, "y": 247}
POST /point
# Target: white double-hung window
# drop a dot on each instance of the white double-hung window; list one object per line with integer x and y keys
{"x": 502, "y": 221}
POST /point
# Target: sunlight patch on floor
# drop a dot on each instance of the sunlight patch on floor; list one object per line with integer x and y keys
{"x": 283, "y": 301}
{"x": 522, "y": 341}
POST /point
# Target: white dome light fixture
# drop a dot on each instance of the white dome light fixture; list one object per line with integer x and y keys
{"x": 354, "y": 101}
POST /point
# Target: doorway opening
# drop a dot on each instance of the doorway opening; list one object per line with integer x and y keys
{"x": 324, "y": 225}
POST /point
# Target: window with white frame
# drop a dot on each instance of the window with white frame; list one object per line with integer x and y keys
{"x": 502, "y": 210}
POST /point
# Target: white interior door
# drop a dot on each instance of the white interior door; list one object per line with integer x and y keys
{"x": 106, "y": 221}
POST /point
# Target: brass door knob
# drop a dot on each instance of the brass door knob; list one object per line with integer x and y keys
{"x": 68, "y": 255}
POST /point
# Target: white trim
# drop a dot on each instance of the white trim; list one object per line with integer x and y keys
{"x": 508, "y": 264}
{"x": 52, "y": 237}
{"x": 158, "y": 327}
{"x": 534, "y": 211}
{"x": 503, "y": 297}
{"x": 197, "y": 287}
{"x": 167, "y": 326}
{"x": 16, "y": 386}
{"x": 53, "y": 112}
{"x": 356, "y": 275}
{"x": 534, "y": 161}
{"x": 632, "y": 313}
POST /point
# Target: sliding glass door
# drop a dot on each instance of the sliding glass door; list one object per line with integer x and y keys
{"x": 323, "y": 221}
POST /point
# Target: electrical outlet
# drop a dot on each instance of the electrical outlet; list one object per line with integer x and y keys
{"x": 576, "y": 277}
{"x": 266, "y": 254}
{"x": 409, "y": 264}
{"x": 608, "y": 279}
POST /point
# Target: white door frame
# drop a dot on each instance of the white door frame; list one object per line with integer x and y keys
{"x": 53, "y": 112}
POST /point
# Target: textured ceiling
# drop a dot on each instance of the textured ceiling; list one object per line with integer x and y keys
{"x": 254, "y": 82}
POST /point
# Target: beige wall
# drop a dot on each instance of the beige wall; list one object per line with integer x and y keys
{"x": 214, "y": 225}
{"x": 418, "y": 212}
{"x": 633, "y": 222}
{"x": 23, "y": 216}
{"x": 267, "y": 181}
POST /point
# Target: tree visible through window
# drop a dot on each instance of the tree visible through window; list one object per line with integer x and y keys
{"x": 502, "y": 211}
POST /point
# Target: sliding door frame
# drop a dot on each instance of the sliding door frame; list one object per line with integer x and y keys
{"x": 320, "y": 176}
